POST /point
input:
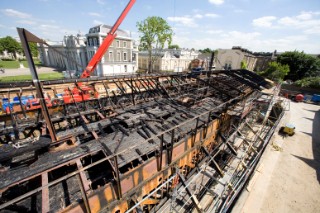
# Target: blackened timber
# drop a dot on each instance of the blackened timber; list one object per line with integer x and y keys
{"x": 225, "y": 92}
{"x": 242, "y": 79}
{"x": 226, "y": 84}
{"x": 226, "y": 141}
{"x": 193, "y": 197}
{"x": 215, "y": 165}
{"x": 125, "y": 148}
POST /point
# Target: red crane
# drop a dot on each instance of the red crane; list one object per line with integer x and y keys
{"x": 80, "y": 93}
{"x": 106, "y": 43}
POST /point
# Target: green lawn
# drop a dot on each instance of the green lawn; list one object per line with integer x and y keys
{"x": 15, "y": 64}
{"x": 25, "y": 64}
{"x": 9, "y": 64}
{"x": 42, "y": 76}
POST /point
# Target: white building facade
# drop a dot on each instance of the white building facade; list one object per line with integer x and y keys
{"x": 70, "y": 54}
{"x": 176, "y": 60}
{"x": 232, "y": 58}
{"x": 120, "y": 58}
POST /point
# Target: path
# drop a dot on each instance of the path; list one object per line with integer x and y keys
{"x": 26, "y": 71}
{"x": 288, "y": 180}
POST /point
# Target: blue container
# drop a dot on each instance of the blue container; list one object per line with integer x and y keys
{"x": 5, "y": 103}
{"x": 315, "y": 98}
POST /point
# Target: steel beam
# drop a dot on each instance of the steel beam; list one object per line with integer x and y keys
{"x": 36, "y": 82}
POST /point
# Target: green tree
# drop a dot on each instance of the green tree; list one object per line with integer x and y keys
{"x": 206, "y": 50}
{"x": 33, "y": 49}
{"x": 276, "y": 71}
{"x": 243, "y": 64}
{"x": 1, "y": 46}
{"x": 312, "y": 82}
{"x": 301, "y": 65}
{"x": 11, "y": 46}
{"x": 155, "y": 33}
{"x": 173, "y": 46}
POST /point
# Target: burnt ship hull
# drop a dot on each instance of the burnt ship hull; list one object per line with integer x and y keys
{"x": 140, "y": 149}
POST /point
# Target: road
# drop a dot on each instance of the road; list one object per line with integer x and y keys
{"x": 288, "y": 179}
{"x": 26, "y": 71}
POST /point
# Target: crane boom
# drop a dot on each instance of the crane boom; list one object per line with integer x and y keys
{"x": 106, "y": 42}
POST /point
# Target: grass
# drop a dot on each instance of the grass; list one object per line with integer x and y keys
{"x": 25, "y": 64}
{"x": 16, "y": 64}
{"x": 9, "y": 64}
{"x": 42, "y": 76}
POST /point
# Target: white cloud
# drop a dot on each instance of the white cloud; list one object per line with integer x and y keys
{"x": 304, "y": 16}
{"x": 199, "y": 16}
{"x": 101, "y": 2}
{"x": 242, "y": 36}
{"x": 15, "y": 13}
{"x": 211, "y": 15}
{"x": 48, "y": 26}
{"x": 308, "y": 22}
{"x": 183, "y": 20}
{"x": 314, "y": 30}
{"x": 97, "y": 22}
{"x": 253, "y": 41}
{"x": 28, "y": 22}
{"x": 95, "y": 14}
{"x": 216, "y": 2}
{"x": 196, "y": 10}
{"x": 220, "y": 40}
{"x": 265, "y": 21}
{"x": 214, "y": 31}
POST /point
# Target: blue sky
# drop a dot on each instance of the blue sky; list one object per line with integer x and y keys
{"x": 258, "y": 25}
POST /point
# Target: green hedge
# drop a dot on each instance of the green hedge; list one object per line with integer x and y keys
{"x": 310, "y": 82}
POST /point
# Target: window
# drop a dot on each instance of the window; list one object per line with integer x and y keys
{"x": 90, "y": 41}
{"x": 95, "y": 42}
{"x": 110, "y": 56}
{"x": 118, "y": 43}
{"x": 118, "y": 56}
{"x": 125, "y": 56}
{"x": 124, "y": 44}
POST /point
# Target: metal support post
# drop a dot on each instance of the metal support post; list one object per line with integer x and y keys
{"x": 24, "y": 42}
{"x": 117, "y": 176}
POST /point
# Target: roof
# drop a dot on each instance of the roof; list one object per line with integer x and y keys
{"x": 102, "y": 28}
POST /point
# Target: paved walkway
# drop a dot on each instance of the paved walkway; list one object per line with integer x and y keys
{"x": 26, "y": 71}
{"x": 288, "y": 180}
